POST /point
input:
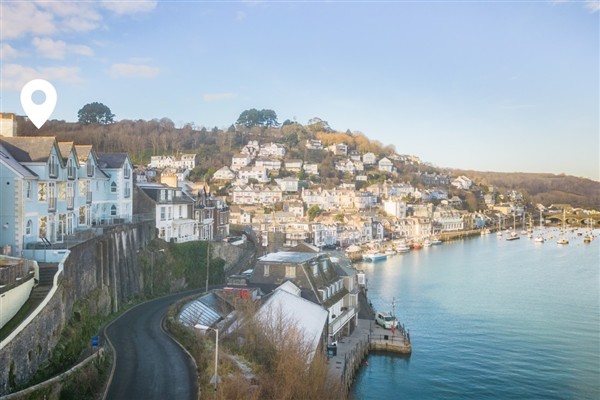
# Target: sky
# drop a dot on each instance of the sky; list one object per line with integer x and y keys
{"x": 487, "y": 85}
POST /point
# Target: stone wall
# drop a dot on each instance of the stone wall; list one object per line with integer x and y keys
{"x": 236, "y": 257}
{"x": 106, "y": 266}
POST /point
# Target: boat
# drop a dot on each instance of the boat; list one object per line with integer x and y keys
{"x": 485, "y": 231}
{"x": 390, "y": 252}
{"x": 539, "y": 239}
{"x": 588, "y": 238}
{"x": 563, "y": 239}
{"x": 513, "y": 235}
{"x": 426, "y": 243}
{"x": 402, "y": 247}
{"x": 373, "y": 256}
{"x": 417, "y": 245}
{"x": 435, "y": 241}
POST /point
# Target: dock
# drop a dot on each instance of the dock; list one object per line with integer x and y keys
{"x": 352, "y": 350}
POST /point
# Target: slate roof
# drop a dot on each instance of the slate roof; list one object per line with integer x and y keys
{"x": 111, "y": 160}
{"x": 29, "y": 149}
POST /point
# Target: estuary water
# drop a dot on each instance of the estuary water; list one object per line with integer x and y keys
{"x": 490, "y": 319}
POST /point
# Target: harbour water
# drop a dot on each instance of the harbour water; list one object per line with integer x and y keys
{"x": 490, "y": 319}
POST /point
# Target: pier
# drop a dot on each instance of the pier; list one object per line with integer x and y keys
{"x": 352, "y": 350}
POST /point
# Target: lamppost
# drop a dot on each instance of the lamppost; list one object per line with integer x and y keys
{"x": 204, "y": 328}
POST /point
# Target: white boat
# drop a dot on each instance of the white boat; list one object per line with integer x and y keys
{"x": 435, "y": 241}
{"x": 390, "y": 252}
{"x": 513, "y": 236}
{"x": 563, "y": 239}
{"x": 374, "y": 256}
{"x": 539, "y": 239}
{"x": 426, "y": 243}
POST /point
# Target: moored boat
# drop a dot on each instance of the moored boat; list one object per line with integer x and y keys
{"x": 374, "y": 256}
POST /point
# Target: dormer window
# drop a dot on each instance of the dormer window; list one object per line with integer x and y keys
{"x": 89, "y": 167}
{"x": 52, "y": 167}
{"x": 71, "y": 169}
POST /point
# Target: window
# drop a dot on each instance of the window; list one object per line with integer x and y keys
{"x": 113, "y": 210}
{"x": 290, "y": 272}
{"x": 90, "y": 167}
{"x": 315, "y": 269}
{"x": 42, "y": 192}
{"x": 52, "y": 167}
{"x": 127, "y": 190}
{"x": 82, "y": 215}
{"x": 42, "y": 227}
{"x": 28, "y": 189}
{"x": 266, "y": 269}
{"x": 28, "y": 227}
{"x": 127, "y": 171}
{"x": 163, "y": 213}
{"x": 70, "y": 169}
{"x": 113, "y": 187}
{"x": 51, "y": 195}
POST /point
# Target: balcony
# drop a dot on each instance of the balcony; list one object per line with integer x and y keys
{"x": 341, "y": 320}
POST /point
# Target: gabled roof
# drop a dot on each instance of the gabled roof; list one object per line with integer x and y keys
{"x": 111, "y": 160}
{"x": 83, "y": 152}
{"x": 65, "y": 150}
{"x": 30, "y": 149}
{"x": 283, "y": 308}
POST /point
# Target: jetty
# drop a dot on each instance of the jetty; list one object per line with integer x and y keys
{"x": 351, "y": 351}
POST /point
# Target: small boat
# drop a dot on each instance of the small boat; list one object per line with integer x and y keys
{"x": 390, "y": 252}
{"x": 373, "y": 257}
{"x": 562, "y": 240}
{"x": 588, "y": 239}
{"x": 513, "y": 236}
{"x": 426, "y": 243}
{"x": 539, "y": 239}
{"x": 417, "y": 245}
{"x": 435, "y": 241}
{"x": 402, "y": 248}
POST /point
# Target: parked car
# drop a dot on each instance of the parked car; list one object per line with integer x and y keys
{"x": 386, "y": 320}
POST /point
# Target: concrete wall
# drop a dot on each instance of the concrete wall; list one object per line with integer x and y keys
{"x": 105, "y": 267}
{"x": 12, "y": 300}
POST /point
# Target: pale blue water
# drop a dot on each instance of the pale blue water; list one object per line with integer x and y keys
{"x": 490, "y": 319}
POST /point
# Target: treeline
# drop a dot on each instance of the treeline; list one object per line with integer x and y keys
{"x": 542, "y": 187}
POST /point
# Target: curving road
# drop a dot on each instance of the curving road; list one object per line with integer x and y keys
{"x": 149, "y": 364}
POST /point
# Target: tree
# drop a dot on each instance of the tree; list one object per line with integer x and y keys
{"x": 95, "y": 113}
{"x": 254, "y": 117}
{"x": 313, "y": 211}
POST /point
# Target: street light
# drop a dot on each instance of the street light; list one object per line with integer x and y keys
{"x": 204, "y": 328}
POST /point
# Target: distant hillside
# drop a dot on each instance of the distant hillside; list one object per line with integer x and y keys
{"x": 215, "y": 147}
{"x": 542, "y": 188}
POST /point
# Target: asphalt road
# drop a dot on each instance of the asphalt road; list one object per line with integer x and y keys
{"x": 149, "y": 364}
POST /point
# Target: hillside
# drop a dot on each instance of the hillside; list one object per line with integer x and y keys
{"x": 542, "y": 188}
{"x": 142, "y": 139}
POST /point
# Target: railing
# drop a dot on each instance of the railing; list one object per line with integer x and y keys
{"x": 341, "y": 320}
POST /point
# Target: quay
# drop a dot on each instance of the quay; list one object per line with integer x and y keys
{"x": 352, "y": 350}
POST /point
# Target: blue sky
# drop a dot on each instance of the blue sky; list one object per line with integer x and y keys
{"x": 498, "y": 86}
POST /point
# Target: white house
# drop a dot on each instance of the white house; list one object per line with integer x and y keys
{"x": 294, "y": 165}
{"x": 224, "y": 174}
{"x": 369, "y": 159}
{"x": 288, "y": 184}
{"x": 462, "y": 182}
{"x": 385, "y": 165}
{"x": 271, "y": 164}
{"x": 272, "y": 149}
{"x": 311, "y": 168}
{"x": 258, "y": 173}
{"x": 240, "y": 161}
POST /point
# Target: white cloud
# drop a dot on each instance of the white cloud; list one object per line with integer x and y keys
{"x": 592, "y": 5}
{"x": 22, "y": 18}
{"x": 133, "y": 71}
{"x": 129, "y": 7}
{"x": 15, "y": 76}
{"x": 80, "y": 49}
{"x": 57, "y": 49}
{"x": 49, "y": 48}
{"x": 213, "y": 97}
{"x": 7, "y": 52}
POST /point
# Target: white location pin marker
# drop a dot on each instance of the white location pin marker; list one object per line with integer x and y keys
{"x": 38, "y": 113}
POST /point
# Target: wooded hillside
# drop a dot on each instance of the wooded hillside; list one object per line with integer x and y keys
{"x": 142, "y": 139}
